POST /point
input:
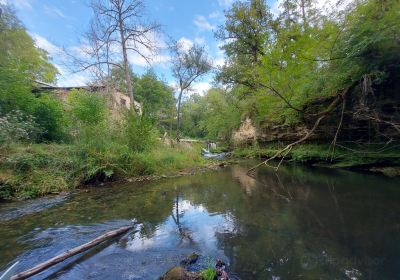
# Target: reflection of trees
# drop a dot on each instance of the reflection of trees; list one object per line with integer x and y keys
{"x": 184, "y": 232}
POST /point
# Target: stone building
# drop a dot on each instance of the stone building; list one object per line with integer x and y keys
{"x": 117, "y": 101}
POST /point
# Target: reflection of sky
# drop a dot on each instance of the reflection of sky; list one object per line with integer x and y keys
{"x": 194, "y": 219}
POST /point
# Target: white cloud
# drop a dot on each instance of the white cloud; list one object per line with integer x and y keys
{"x": 213, "y": 15}
{"x": 54, "y": 12}
{"x": 202, "y": 23}
{"x": 219, "y": 61}
{"x": 201, "y": 87}
{"x": 159, "y": 58}
{"x": 225, "y": 3}
{"x": 43, "y": 43}
{"x": 21, "y": 4}
{"x": 185, "y": 43}
{"x": 73, "y": 79}
{"x": 200, "y": 40}
{"x": 197, "y": 87}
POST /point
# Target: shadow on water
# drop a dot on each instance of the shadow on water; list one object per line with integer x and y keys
{"x": 299, "y": 223}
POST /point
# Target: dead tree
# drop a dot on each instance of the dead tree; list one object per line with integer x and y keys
{"x": 117, "y": 30}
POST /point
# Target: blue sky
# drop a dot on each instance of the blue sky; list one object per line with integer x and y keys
{"x": 58, "y": 24}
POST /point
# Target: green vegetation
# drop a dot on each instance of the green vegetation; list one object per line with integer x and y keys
{"x": 335, "y": 69}
{"x": 49, "y": 145}
{"x": 350, "y": 156}
{"x": 209, "y": 274}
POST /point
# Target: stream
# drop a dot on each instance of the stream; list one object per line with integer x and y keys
{"x": 298, "y": 223}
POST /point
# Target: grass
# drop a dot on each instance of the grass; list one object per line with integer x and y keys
{"x": 28, "y": 171}
{"x": 208, "y": 274}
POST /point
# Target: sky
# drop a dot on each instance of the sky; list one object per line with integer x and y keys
{"x": 59, "y": 24}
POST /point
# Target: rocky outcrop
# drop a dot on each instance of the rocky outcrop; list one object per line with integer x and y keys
{"x": 367, "y": 115}
{"x": 246, "y": 134}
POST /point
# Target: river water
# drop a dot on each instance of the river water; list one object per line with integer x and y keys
{"x": 299, "y": 223}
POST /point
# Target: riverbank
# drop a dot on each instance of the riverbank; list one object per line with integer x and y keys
{"x": 372, "y": 157}
{"x": 28, "y": 171}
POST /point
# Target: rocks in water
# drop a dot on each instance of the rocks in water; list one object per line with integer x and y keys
{"x": 191, "y": 259}
{"x": 180, "y": 273}
{"x": 221, "y": 273}
{"x": 189, "y": 272}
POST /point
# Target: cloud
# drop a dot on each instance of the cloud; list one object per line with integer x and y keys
{"x": 201, "y": 87}
{"x": 155, "y": 58}
{"x": 225, "y": 3}
{"x": 202, "y": 23}
{"x": 185, "y": 43}
{"x": 200, "y": 40}
{"x": 43, "y": 43}
{"x": 213, "y": 15}
{"x": 196, "y": 88}
{"x": 54, "y": 12}
{"x": 73, "y": 79}
{"x": 21, "y": 4}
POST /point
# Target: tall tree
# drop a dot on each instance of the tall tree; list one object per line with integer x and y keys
{"x": 21, "y": 63}
{"x": 188, "y": 65}
{"x": 120, "y": 24}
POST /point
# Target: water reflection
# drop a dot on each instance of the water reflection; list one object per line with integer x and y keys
{"x": 298, "y": 223}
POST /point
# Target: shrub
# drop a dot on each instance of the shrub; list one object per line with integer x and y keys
{"x": 89, "y": 108}
{"x": 18, "y": 127}
{"x": 140, "y": 133}
{"x": 48, "y": 115}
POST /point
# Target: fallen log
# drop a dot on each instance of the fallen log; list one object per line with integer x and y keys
{"x": 67, "y": 254}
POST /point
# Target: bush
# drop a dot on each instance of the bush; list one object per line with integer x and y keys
{"x": 48, "y": 115}
{"x": 18, "y": 127}
{"x": 140, "y": 133}
{"x": 89, "y": 108}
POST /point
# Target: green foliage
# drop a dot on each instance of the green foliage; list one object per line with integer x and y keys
{"x": 209, "y": 274}
{"x": 304, "y": 54}
{"x": 140, "y": 133}
{"x": 18, "y": 127}
{"x": 212, "y": 116}
{"x": 22, "y": 64}
{"x": 155, "y": 95}
{"x": 88, "y": 108}
{"x": 49, "y": 116}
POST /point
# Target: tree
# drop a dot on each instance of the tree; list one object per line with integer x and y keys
{"x": 21, "y": 63}
{"x": 119, "y": 24}
{"x": 156, "y": 96}
{"x": 246, "y": 31}
{"x": 188, "y": 65}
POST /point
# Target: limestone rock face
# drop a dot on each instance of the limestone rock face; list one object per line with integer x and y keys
{"x": 246, "y": 133}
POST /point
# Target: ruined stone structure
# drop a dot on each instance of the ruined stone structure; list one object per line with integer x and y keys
{"x": 118, "y": 102}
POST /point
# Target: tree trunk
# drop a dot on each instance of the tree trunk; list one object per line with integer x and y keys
{"x": 303, "y": 14}
{"x": 128, "y": 79}
{"x": 179, "y": 117}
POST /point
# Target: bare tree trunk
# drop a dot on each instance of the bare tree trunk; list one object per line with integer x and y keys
{"x": 128, "y": 79}
{"x": 179, "y": 117}
{"x": 303, "y": 13}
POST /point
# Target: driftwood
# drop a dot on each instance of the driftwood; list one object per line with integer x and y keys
{"x": 67, "y": 254}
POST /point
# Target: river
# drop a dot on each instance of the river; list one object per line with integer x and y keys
{"x": 298, "y": 223}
